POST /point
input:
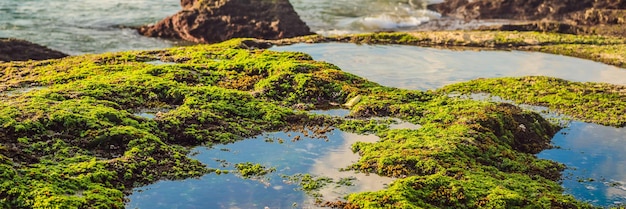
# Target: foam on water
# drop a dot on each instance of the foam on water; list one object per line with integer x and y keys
{"x": 390, "y": 22}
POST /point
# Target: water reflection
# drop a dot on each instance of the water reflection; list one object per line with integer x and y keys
{"x": 150, "y": 113}
{"x": 332, "y": 112}
{"x": 422, "y": 68}
{"x": 595, "y": 160}
{"x": 593, "y": 154}
{"x": 306, "y": 155}
{"x": 339, "y": 157}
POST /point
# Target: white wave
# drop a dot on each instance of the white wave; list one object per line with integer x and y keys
{"x": 390, "y": 21}
{"x": 387, "y": 22}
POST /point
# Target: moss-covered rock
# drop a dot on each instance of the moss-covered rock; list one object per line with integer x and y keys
{"x": 72, "y": 135}
{"x": 591, "y": 102}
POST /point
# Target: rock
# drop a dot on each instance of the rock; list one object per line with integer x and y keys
{"x": 211, "y": 21}
{"x": 522, "y": 9}
{"x": 589, "y": 17}
{"x": 186, "y": 4}
{"x": 20, "y": 50}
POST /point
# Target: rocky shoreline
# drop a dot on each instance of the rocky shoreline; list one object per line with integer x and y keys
{"x": 584, "y": 17}
{"x": 71, "y": 136}
{"x": 77, "y": 140}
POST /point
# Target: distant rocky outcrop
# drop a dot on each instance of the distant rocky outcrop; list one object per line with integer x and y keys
{"x": 20, "y": 50}
{"x": 569, "y": 16}
{"x": 209, "y": 21}
{"x": 522, "y": 9}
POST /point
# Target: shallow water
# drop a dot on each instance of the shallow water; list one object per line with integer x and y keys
{"x": 423, "y": 68}
{"x": 594, "y": 155}
{"x": 279, "y": 150}
{"x": 318, "y": 157}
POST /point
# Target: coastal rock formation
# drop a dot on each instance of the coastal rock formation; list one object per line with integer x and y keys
{"x": 523, "y": 9}
{"x": 211, "y": 21}
{"x": 20, "y": 50}
{"x": 563, "y": 16}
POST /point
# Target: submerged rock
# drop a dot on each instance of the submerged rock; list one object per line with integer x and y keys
{"x": 218, "y": 20}
{"x": 20, "y": 50}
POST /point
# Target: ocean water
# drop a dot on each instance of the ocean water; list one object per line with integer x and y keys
{"x": 84, "y": 26}
{"x": 96, "y": 26}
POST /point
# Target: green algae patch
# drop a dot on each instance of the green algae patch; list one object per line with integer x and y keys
{"x": 609, "y": 50}
{"x": 79, "y": 141}
{"x": 248, "y": 169}
{"x": 590, "y": 102}
{"x": 467, "y": 154}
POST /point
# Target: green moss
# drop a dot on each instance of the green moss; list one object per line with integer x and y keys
{"x": 248, "y": 169}
{"x": 76, "y": 141}
{"x": 468, "y": 154}
{"x": 591, "y": 102}
{"x": 467, "y": 190}
{"x": 310, "y": 184}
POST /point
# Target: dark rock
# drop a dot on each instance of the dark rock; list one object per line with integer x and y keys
{"x": 590, "y": 17}
{"x": 554, "y": 27}
{"x": 522, "y": 9}
{"x": 212, "y": 21}
{"x": 186, "y": 4}
{"x": 20, "y": 50}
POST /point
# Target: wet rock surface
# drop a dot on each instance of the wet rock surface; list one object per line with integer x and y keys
{"x": 20, "y": 50}
{"x": 526, "y": 9}
{"x": 219, "y": 20}
{"x": 567, "y": 16}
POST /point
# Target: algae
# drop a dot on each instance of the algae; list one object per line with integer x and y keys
{"x": 249, "y": 170}
{"x": 605, "y": 49}
{"x": 590, "y": 102}
{"x": 77, "y": 143}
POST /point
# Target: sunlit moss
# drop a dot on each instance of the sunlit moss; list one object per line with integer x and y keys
{"x": 592, "y": 102}
{"x": 77, "y": 142}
